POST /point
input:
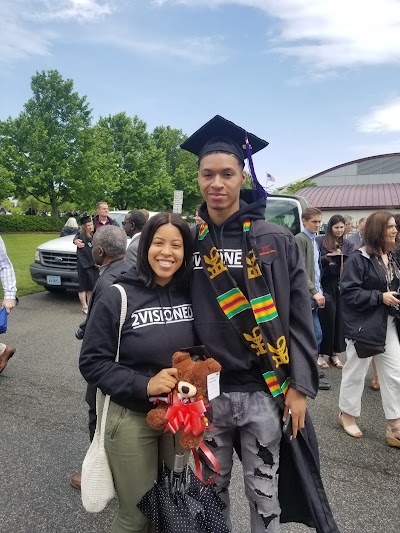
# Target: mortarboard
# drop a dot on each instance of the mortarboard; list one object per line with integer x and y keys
{"x": 85, "y": 220}
{"x": 221, "y": 135}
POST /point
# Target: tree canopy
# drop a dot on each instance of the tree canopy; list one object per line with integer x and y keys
{"x": 53, "y": 153}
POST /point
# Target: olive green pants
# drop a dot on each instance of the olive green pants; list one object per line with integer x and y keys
{"x": 134, "y": 452}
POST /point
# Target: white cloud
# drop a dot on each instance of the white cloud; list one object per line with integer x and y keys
{"x": 78, "y": 10}
{"x": 382, "y": 119}
{"x": 18, "y": 40}
{"x": 327, "y": 34}
{"x": 198, "y": 51}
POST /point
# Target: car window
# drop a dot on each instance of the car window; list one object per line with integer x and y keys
{"x": 285, "y": 213}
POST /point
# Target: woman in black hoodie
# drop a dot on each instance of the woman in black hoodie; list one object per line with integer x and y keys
{"x": 159, "y": 322}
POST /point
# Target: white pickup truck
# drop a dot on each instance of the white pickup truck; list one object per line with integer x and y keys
{"x": 55, "y": 260}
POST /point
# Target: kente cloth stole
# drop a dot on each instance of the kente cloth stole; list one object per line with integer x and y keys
{"x": 256, "y": 321}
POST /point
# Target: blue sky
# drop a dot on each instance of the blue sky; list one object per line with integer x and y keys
{"x": 318, "y": 79}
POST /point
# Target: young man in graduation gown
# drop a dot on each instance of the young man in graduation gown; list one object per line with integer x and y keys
{"x": 252, "y": 312}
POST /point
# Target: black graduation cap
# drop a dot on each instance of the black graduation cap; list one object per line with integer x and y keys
{"x": 221, "y": 135}
{"x": 85, "y": 220}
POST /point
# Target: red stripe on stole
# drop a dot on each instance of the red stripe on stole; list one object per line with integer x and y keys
{"x": 265, "y": 308}
{"x": 274, "y": 383}
{"x": 233, "y": 302}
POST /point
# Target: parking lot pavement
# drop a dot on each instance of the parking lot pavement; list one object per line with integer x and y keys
{"x": 43, "y": 438}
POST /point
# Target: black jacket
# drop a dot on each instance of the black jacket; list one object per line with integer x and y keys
{"x": 284, "y": 271}
{"x": 361, "y": 286}
{"x": 159, "y": 322}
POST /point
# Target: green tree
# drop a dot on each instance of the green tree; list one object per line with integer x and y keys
{"x": 136, "y": 167}
{"x": 43, "y": 148}
{"x": 181, "y": 165}
{"x": 294, "y": 187}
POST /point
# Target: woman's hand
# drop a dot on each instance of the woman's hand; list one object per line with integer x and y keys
{"x": 163, "y": 382}
{"x": 297, "y": 403}
{"x": 389, "y": 299}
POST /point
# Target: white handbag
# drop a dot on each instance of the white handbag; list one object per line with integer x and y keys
{"x": 97, "y": 484}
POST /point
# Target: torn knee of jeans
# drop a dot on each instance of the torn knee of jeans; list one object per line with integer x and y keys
{"x": 266, "y": 519}
{"x": 258, "y": 473}
{"x": 262, "y": 494}
{"x": 264, "y": 454}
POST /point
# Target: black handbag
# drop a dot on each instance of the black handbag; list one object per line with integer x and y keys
{"x": 364, "y": 349}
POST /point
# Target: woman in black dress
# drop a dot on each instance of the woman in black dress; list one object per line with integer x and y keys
{"x": 334, "y": 250}
{"x": 87, "y": 271}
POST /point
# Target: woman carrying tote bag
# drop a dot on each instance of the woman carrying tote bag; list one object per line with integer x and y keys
{"x": 159, "y": 322}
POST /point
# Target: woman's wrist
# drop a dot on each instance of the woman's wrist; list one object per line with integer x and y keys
{"x": 147, "y": 388}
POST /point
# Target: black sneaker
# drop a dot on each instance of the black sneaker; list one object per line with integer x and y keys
{"x": 324, "y": 385}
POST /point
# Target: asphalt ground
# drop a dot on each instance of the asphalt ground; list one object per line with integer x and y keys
{"x": 43, "y": 438}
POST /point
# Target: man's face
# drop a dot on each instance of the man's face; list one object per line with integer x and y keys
{"x": 313, "y": 224}
{"x": 220, "y": 178}
{"x": 361, "y": 228}
{"x": 348, "y": 228}
{"x": 128, "y": 226}
{"x": 102, "y": 210}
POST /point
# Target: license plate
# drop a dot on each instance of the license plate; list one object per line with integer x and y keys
{"x": 53, "y": 280}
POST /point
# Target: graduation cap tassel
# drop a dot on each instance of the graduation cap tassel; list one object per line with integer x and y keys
{"x": 259, "y": 191}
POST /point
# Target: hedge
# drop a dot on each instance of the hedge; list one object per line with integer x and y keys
{"x": 26, "y": 223}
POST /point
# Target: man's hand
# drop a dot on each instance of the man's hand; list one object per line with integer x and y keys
{"x": 9, "y": 304}
{"x": 320, "y": 299}
{"x": 79, "y": 243}
{"x": 163, "y": 382}
{"x": 297, "y": 403}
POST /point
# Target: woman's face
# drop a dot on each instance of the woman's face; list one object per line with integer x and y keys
{"x": 338, "y": 229}
{"x": 88, "y": 227}
{"x": 391, "y": 231}
{"x": 166, "y": 253}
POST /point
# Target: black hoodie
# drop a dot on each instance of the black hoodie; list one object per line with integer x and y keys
{"x": 284, "y": 270}
{"x": 159, "y": 322}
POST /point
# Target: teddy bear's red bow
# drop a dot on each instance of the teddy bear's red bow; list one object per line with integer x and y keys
{"x": 189, "y": 415}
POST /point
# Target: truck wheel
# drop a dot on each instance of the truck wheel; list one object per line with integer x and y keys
{"x": 56, "y": 290}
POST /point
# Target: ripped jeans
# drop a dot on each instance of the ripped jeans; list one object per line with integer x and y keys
{"x": 257, "y": 418}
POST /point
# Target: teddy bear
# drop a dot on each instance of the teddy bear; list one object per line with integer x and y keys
{"x": 187, "y": 405}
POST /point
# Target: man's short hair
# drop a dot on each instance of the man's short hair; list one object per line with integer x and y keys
{"x": 137, "y": 217}
{"x": 348, "y": 218}
{"x": 100, "y": 203}
{"x": 145, "y": 212}
{"x": 363, "y": 219}
{"x": 112, "y": 239}
{"x": 310, "y": 212}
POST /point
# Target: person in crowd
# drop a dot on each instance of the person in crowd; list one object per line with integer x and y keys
{"x": 133, "y": 224}
{"x": 101, "y": 217}
{"x": 357, "y": 238}
{"x": 312, "y": 218}
{"x": 157, "y": 298}
{"x": 7, "y": 276}
{"x": 146, "y": 213}
{"x": 334, "y": 251}
{"x": 197, "y": 217}
{"x": 348, "y": 225}
{"x": 369, "y": 288}
{"x": 87, "y": 271}
{"x": 397, "y": 242}
{"x": 70, "y": 227}
{"x": 222, "y": 287}
{"x": 109, "y": 245}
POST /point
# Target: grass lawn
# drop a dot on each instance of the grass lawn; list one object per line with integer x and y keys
{"x": 21, "y": 249}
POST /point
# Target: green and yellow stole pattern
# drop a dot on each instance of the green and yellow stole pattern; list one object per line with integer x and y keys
{"x": 255, "y": 319}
